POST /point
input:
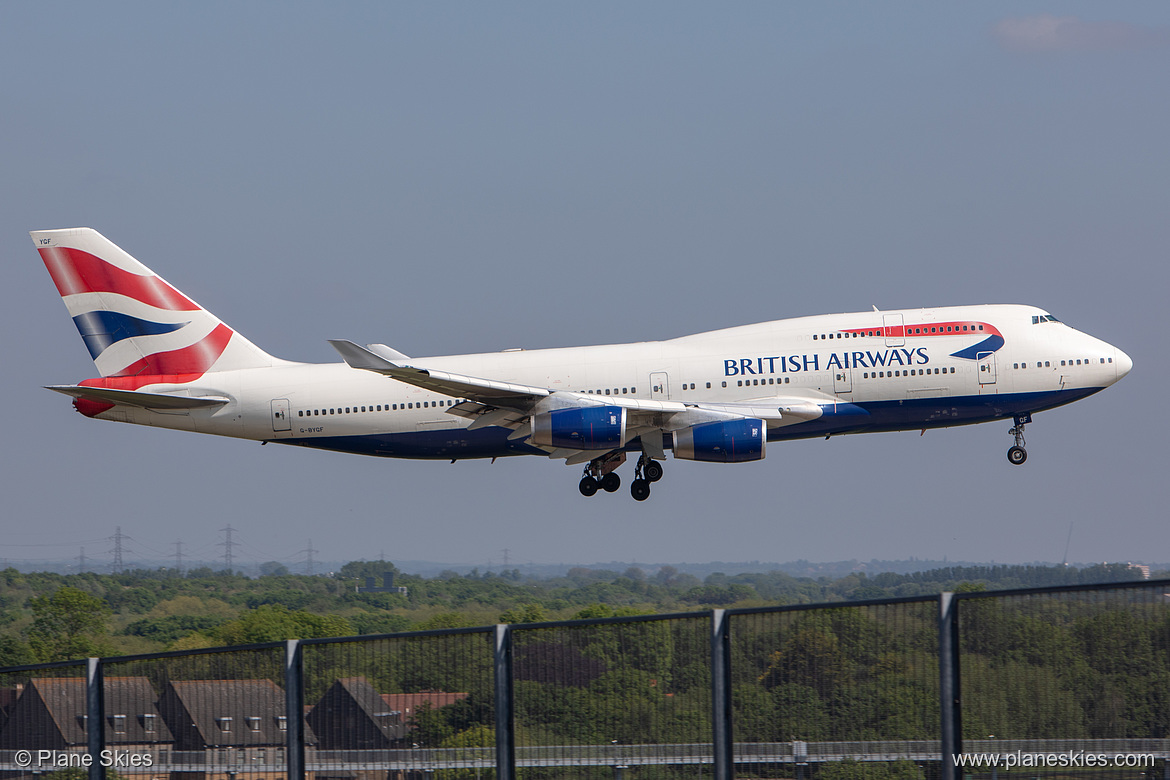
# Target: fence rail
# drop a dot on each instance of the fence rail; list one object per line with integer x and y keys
{"x": 894, "y": 681}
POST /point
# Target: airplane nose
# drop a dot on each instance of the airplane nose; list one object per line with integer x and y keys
{"x": 1122, "y": 363}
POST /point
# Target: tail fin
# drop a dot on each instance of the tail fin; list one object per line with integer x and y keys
{"x": 134, "y": 323}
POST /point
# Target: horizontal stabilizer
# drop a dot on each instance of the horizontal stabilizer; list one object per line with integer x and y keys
{"x": 140, "y": 399}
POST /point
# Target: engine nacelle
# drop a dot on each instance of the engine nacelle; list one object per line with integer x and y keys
{"x": 731, "y": 441}
{"x": 583, "y": 428}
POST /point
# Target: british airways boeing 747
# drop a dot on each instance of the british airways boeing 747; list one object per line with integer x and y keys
{"x": 717, "y": 397}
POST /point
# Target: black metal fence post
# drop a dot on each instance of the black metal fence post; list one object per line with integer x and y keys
{"x": 294, "y": 710}
{"x": 95, "y": 712}
{"x": 505, "y": 739}
{"x": 721, "y": 695}
{"x": 948, "y": 669}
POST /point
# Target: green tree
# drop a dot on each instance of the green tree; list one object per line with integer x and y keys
{"x": 525, "y": 613}
{"x": 70, "y": 623}
{"x": 273, "y": 622}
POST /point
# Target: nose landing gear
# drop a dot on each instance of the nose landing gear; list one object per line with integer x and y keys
{"x": 1017, "y": 454}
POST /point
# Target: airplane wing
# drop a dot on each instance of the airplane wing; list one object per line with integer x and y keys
{"x": 488, "y": 402}
{"x": 138, "y": 398}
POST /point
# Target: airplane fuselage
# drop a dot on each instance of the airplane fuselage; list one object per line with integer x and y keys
{"x": 871, "y": 371}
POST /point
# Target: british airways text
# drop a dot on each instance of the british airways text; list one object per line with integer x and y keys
{"x": 786, "y": 364}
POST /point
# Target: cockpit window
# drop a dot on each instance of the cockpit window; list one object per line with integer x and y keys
{"x": 1038, "y": 318}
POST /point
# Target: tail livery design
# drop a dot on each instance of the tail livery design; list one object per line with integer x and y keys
{"x": 137, "y": 327}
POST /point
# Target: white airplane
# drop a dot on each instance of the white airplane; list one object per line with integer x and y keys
{"x": 719, "y": 396}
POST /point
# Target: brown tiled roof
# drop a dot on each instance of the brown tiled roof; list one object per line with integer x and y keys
{"x": 63, "y": 702}
{"x": 351, "y": 715}
{"x": 199, "y": 710}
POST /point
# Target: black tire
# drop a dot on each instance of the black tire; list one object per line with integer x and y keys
{"x": 588, "y": 486}
{"x": 652, "y": 471}
{"x": 640, "y": 489}
{"x": 1017, "y": 455}
{"x": 611, "y": 482}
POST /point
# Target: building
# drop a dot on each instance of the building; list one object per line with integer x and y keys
{"x": 51, "y": 714}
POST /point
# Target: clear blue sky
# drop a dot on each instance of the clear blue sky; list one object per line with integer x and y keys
{"x": 462, "y": 177}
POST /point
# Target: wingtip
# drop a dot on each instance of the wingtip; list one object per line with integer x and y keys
{"x": 357, "y": 356}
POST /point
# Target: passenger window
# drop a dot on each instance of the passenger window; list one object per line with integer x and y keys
{"x": 725, "y": 384}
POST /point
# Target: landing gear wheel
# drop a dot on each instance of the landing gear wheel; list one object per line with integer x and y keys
{"x": 640, "y": 489}
{"x": 588, "y": 486}
{"x": 652, "y": 471}
{"x": 611, "y": 482}
{"x": 1017, "y": 454}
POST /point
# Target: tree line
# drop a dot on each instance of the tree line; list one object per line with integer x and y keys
{"x": 47, "y": 616}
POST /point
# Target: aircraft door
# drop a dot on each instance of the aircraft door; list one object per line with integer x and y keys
{"x": 894, "y": 330}
{"x": 842, "y": 381}
{"x": 986, "y": 362}
{"x": 659, "y": 386}
{"x": 280, "y": 419}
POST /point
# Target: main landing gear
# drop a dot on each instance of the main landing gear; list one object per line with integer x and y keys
{"x": 600, "y": 475}
{"x": 1017, "y": 454}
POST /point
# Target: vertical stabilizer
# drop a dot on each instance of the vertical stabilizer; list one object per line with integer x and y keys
{"x": 134, "y": 323}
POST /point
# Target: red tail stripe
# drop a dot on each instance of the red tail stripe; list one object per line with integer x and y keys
{"x": 194, "y": 360}
{"x": 75, "y": 271}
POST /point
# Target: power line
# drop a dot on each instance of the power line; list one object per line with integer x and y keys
{"x": 227, "y": 545}
{"x": 309, "y": 561}
{"x": 118, "y": 549}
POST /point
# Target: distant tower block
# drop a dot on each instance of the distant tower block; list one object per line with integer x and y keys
{"x": 387, "y": 585}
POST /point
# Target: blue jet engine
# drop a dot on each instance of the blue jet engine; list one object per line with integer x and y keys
{"x": 588, "y": 428}
{"x": 731, "y": 441}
